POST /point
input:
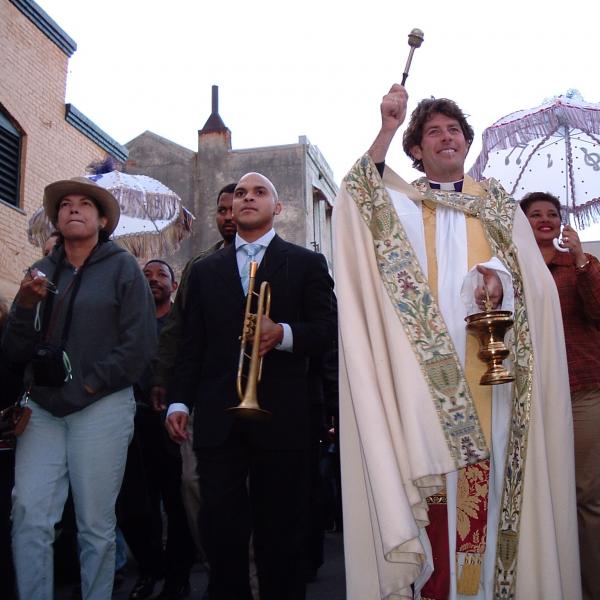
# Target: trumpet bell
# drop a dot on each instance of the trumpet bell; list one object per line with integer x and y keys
{"x": 252, "y": 413}
{"x": 249, "y": 408}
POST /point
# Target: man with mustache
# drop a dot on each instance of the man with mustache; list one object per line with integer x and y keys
{"x": 172, "y": 333}
{"x": 453, "y": 487}
{"x": 152, "y": 476}
{"x": 168, "y": 347}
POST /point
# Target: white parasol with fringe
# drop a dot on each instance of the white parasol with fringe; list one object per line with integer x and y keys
{"x": 553, "y": 148}
{"x": 153, "y": 219}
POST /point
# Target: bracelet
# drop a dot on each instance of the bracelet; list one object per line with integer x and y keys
{"x": 583, "y": 266}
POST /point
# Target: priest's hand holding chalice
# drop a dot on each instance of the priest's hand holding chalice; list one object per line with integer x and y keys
{"x": 490, "y": 326}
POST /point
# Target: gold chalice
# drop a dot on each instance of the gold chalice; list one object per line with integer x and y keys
{"x": 490, "y": 327}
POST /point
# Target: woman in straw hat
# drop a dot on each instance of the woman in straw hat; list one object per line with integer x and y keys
{"x": 84, "y": 321}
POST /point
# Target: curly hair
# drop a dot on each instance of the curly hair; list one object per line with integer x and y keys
{"x": 532, "y": 197}
{"x": 425, "y": 110}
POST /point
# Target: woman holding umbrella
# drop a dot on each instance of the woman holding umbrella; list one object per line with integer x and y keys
{"x": 577, "y": 277}
{"x": 87, "y": 330}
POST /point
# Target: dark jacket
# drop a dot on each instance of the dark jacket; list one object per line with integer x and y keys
{"x": 113, "y": 329}
{"x": 11, "y": 376}
{"x": 171, "y": 334}
{"x": 302, "y": 296}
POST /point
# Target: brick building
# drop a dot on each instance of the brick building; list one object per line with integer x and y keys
{"x": 42, "y": 139}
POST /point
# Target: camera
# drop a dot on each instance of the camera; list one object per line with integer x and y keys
{"x": 48, "y": 366}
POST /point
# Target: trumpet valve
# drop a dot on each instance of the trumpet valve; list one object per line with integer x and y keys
{"x": 250, "y": 325}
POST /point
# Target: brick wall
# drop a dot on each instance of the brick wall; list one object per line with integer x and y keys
{"x": 33, "y": 72}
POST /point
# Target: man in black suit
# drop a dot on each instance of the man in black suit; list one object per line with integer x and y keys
{"x": 253, "y": 474}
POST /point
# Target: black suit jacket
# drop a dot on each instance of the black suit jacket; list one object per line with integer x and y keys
{"x": 302, "y": 296}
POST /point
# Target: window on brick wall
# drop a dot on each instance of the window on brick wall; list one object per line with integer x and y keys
{"x": 10, "y": 160}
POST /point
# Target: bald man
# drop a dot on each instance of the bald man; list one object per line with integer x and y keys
{"x": 253, "y": 473}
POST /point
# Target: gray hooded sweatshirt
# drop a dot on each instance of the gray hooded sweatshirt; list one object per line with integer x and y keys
{"x": 112, "y": 337}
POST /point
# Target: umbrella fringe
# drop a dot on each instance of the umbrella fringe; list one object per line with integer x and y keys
{"x": 155, "y": 244}
{"x": 140, "y": 195}
{"x": 146, "y": 205}
{"x": 164, "y": 221}
{"x": 476, "y": 171}
{"x": 562, "y": 117}
{"x": 39, "y": 228}
{"x": 143, "y": 245}
{"x": 544, "y": 122}
{"x": 587, "y": 214}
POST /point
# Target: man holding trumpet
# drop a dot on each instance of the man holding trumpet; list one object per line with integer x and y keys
{"x": 437, "y": 509}
{"x": 253, "y": 472}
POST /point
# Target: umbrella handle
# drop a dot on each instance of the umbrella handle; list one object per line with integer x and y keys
{"x": 558, "y": 241}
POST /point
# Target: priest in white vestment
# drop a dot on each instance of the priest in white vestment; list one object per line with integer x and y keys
{"x": 451, "y": 489}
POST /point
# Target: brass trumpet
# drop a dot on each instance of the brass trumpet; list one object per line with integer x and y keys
{"x": 248, "y": 406}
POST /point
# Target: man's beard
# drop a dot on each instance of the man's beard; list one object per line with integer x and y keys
{"x": 227, "y": 236}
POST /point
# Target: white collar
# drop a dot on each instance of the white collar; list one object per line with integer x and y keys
{"x": 264, "y": 240}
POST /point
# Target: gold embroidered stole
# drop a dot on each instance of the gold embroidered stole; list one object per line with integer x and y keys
{"x": 424, "y": 326}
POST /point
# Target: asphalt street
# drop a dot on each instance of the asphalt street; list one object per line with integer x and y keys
{"x": 330, "y": 583}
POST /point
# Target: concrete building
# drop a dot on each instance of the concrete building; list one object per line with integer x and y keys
{"x": 301, "y": 175}
{"x": 42, "y": 139}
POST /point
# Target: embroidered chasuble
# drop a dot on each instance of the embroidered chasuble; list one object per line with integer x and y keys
{"x": 414, "y": 422}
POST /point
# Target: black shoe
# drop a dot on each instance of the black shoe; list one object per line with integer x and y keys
{"x": 174, "y": 591}
{"x": 143, "y": 588}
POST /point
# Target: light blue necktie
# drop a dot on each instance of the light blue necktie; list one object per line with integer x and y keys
{"x": 251, "y": 251}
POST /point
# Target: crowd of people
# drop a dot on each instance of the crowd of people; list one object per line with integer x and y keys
{"x": 114, "y": 470}
{"x": 139, "y": 408}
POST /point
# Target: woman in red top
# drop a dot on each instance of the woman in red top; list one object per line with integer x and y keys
{"x": 577, "y": 277}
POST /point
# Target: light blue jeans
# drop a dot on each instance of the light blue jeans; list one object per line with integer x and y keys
{"x": 88, "y": 449}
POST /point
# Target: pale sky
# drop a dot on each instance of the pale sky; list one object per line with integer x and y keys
{"x": 317, "y": 68}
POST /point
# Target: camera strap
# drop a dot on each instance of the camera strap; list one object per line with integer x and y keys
{"x": 48, "y": 305}
{"x": 76, "y": 284}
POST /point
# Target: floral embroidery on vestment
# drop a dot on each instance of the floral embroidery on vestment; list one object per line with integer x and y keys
{"x": 423, "y": 323}
{"x": 419, "y": 313}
